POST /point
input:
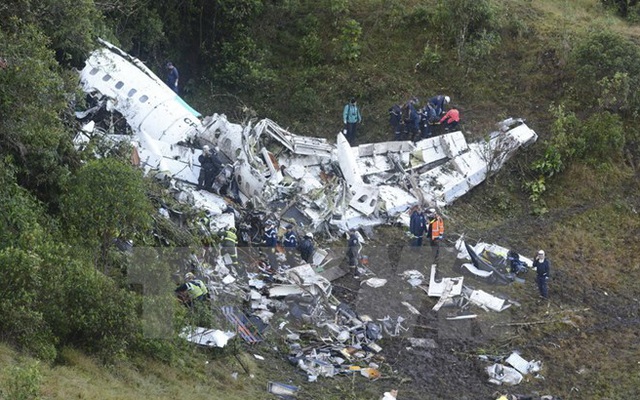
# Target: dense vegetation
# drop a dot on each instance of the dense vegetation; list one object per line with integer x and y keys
{"x": 573, "y": 70}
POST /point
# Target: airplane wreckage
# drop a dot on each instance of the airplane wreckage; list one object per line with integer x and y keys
{"x": 325, "y": 187}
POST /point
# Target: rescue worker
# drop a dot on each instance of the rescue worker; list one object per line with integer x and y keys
{"x": 417, "y": 226}
{"x": 353, "y": 251}
{"x": 270, "y": 242}
{"x": 435, "y": 231}
{"x": 351, "y": 117}
{"x": 395, "y": 119}
{"x": 543, "y": 271}
{"x": 290, "y": 243}
{"x": 192, "y": 290}
{"x": 290, "y": 239}
{"x": 411, "y": 119}
{"x": 172, "y": 77}
{"x": 428, "y": 117}
{"x": 438, "y": 102}
{"x": 270, "y": 234}
{"x": 306, "y": 247}
{"x": 451, "y": 120}
{"x": 229, "y": 243}
{"x": 210, "y": 166}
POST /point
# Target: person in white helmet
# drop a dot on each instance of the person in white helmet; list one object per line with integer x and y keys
{"x": 192, "y": 290}
{"x": 438, "y": 102}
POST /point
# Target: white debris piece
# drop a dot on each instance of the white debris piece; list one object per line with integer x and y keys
{"x": 206, "y": 337}
{"x": 437, "y": 289}
{"x": 476, "y": 271}
{"x": 502, "y": 375}
{"x": 374, "y": 282}
{"x": 414, "y": 277}
{"x": 488, "y": 301}
{"x": 523, "y": 366}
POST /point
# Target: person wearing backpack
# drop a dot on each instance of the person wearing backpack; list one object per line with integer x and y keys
{"x": 351, "y": 117}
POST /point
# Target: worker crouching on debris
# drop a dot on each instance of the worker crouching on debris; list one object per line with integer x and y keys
{"x": 451, "y": 120}
{"x": 543, "y": 270}
{"x": 306, "y": 248}
{"x": 192, "y": 290}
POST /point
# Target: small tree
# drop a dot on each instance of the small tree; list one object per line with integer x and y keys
{"x": 106, "y": 200}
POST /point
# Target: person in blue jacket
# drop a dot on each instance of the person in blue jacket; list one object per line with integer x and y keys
{"x": 395, "y": 119}
{"x": 543, "y": 272}
{"x": 353, "y": 251}
{"x": 428, "y": 117}
{"x": 307, "y": 248}
{"x": 270, "y": 234}
{"x": 351, "y": 117}
{"x": 411, "y": 119}
{"x": 172, "y": 76}
{"x": 417, "y": 226}
{"x": 438, "y": 102}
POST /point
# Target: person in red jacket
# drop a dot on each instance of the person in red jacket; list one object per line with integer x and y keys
{"x": 451, "y": 120}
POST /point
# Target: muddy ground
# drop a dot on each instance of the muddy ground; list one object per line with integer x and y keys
{"x": 586, "y": 334}
{"x": 584, "y": 321}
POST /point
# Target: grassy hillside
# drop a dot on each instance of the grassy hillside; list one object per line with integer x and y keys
{"x": 574, "y": 193}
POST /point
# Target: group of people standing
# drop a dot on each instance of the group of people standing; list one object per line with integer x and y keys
{"x": 410, "y": 121}
{"x": 289, "y": 241}
{"x": 426, "y": 223}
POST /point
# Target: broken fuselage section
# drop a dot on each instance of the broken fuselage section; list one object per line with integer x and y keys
{"x": 324, "y": 186}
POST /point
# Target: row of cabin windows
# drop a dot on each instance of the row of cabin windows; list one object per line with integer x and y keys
{"x": 120, "y": 85}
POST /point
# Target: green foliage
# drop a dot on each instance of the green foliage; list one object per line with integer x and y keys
{"x": 348, "y": 41}
{"x": 24, "y": 382}
{"x": 604, "y": 134}
{"x": 615, "y": 92}
{"x": 32, "y": 99}
{"x": 311, "y": 42}
{"x": 472, "y": 26}
{"x": 613, "y": 62}
{"x": 550, "y": 163}
{"x": 242, "y": 64}
{"x": 136, "y": 26}
{"x": 431, "y": 58}
{"x": 22, "y": 320}
{"x": 68, "y": 25}
{"x": 105, "y": 200}
{"x": 627, "y": 9}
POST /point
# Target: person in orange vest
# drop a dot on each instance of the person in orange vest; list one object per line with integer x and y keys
{"x": 435, "y": 231}
{"x": 451, "y": 120}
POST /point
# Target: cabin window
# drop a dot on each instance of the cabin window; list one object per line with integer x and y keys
{"x": 106, "y": 78}
{"x": 93, "y": 71}
{"x": 132, "y": 92}
{"x": 143, "y": 98}
{"x": 119, "y": 85}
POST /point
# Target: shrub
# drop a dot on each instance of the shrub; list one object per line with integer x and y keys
{"x": 106, "y": 199}
{"x": 348, "y": 41}
{"x": 24, "y": 382}
{"x": 611, "y": 61}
